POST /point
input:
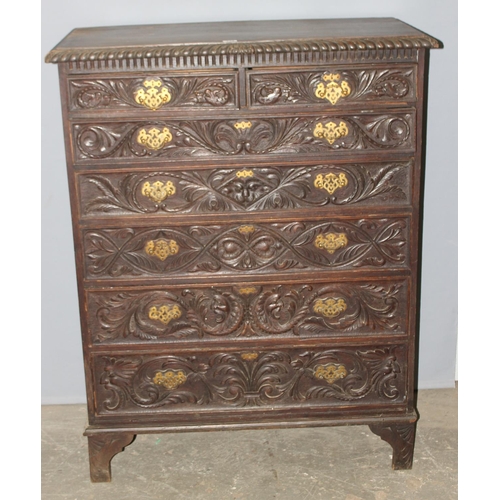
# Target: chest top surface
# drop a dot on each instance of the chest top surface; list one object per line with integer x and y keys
{"x": 238, "y": 37}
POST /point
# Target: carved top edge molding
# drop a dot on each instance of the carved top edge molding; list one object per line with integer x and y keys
{"x": 251, "y": 50}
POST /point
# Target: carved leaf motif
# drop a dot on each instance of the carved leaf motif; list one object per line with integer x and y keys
{"x": 299, "y": 87}
{"x": 210, "y": 249}
{"x": 265, "y": 136}
{"x": 185, "y": 91}
{"x": 270, "y": 311}
{"x": 270, "y": 378}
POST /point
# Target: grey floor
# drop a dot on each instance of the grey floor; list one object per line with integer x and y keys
{"x": 346, "y": 463}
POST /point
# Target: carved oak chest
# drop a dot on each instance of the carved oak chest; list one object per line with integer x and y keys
{"x": 245, "y": 201}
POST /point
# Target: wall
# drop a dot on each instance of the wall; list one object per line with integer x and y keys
{"x": 62, "y": 365}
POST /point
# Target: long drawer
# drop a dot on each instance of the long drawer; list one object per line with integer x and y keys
{"x": 244, "y": 249}
{"x": 246, "y": 190}
{"x": 268, "y": 312}
{"x": 245, "y": 135}
{"x": 201, "y": 381}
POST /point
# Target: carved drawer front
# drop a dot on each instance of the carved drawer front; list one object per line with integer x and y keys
{"x": 336, "y": 86}
{"x": 170, "y": 139}
{"x": 315, "y": 310}
{"x": 156, "y": 92}
{"x": 245, "y": 189}
{"x": 245, "y": 379}
{"x": 347, "y": 243}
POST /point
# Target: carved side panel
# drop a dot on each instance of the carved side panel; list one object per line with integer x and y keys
{"x": 318, "y": 87}
{"x": 259, "y": 248}
{"x": 249, "y": 311}
{"x": 219, "y": 379}
{"x": 245, "y": 190}
{"x": 175, "y": 139}
{"x": 202, "y": 91}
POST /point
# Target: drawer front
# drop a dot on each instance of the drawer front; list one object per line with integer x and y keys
{"x": 246, "y": 136}
{"x": 222, "y": 379}
{"x": 246, "y": 189}
{"x": 154, "y": 92}
{"x": 248, "y": 311}
{"x": 161, "y": 252}
{"x": 332, "y": 86}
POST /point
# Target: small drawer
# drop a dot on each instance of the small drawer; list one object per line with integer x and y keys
{"x": 246, "y": 190}
{"x": 337, "y": 86}
{"x": 225, "y": 379}
{"x": 242, "y": 249}
{"x": 155, "y": 92}
{"x": 243, "y": 137}
{"x": 202, "y": 313}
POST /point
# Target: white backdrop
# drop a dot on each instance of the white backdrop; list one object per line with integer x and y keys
{"x": 62, "y": 362}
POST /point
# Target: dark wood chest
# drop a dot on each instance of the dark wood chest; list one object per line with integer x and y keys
{"x": 246, "y": 204}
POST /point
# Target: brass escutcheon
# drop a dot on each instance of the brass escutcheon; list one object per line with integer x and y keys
{"x": 154, "y": 138}
{"x": 244, "y": 173}
{"x": 161, "y": 248}
{"x": 330, "y": 241}
{"x": 330, "y": 372}
{"x": 330, "y": 131}
{"x": 333, "y": 90}
{"x": 155, "y": 95}
{"x": 170, "y": 379}
{"x": 250, "y": 356}
{"x": 247, "y": 290}
{"x": 158, "y": 191}
{"x": 242, "y": 125}
{"x": 165, "y": 314}
{"x": 330, "y": 308}
{"x": 330, "y": 182}
{"x": 246, "y": 229}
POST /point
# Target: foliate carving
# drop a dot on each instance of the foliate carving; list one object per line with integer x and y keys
{"x": 251, "y": 311}
{"x": 277, "y": 378}
{"x": 313, "y": 87}
{"x": 152, "y": 92}
{"x": 207, "y": 250}
{"x": 265, "y": 136}
{"x": 245, "y": 190}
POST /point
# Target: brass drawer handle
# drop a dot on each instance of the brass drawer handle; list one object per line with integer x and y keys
{"x": 330, "y": 131}
{"x": 330, "y": 241}
{"x": 330, "y": 182}
{"x": 333, "y": 90}
{"x": 158, "y": 191}
{"x": 170, "y": 379}
{"x": 154, "y": 94}
{"x": 330, "y": 308}
{"x": 330, "y": 372}
{"x": 161, "y": 248}
{"x": 154, "y": 138}
{"x": 165, "y": 314}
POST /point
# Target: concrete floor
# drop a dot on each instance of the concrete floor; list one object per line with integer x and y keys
{"x": 345, "y": 463}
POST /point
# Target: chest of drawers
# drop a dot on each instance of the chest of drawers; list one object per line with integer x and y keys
{"x": 245, "y": 201}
